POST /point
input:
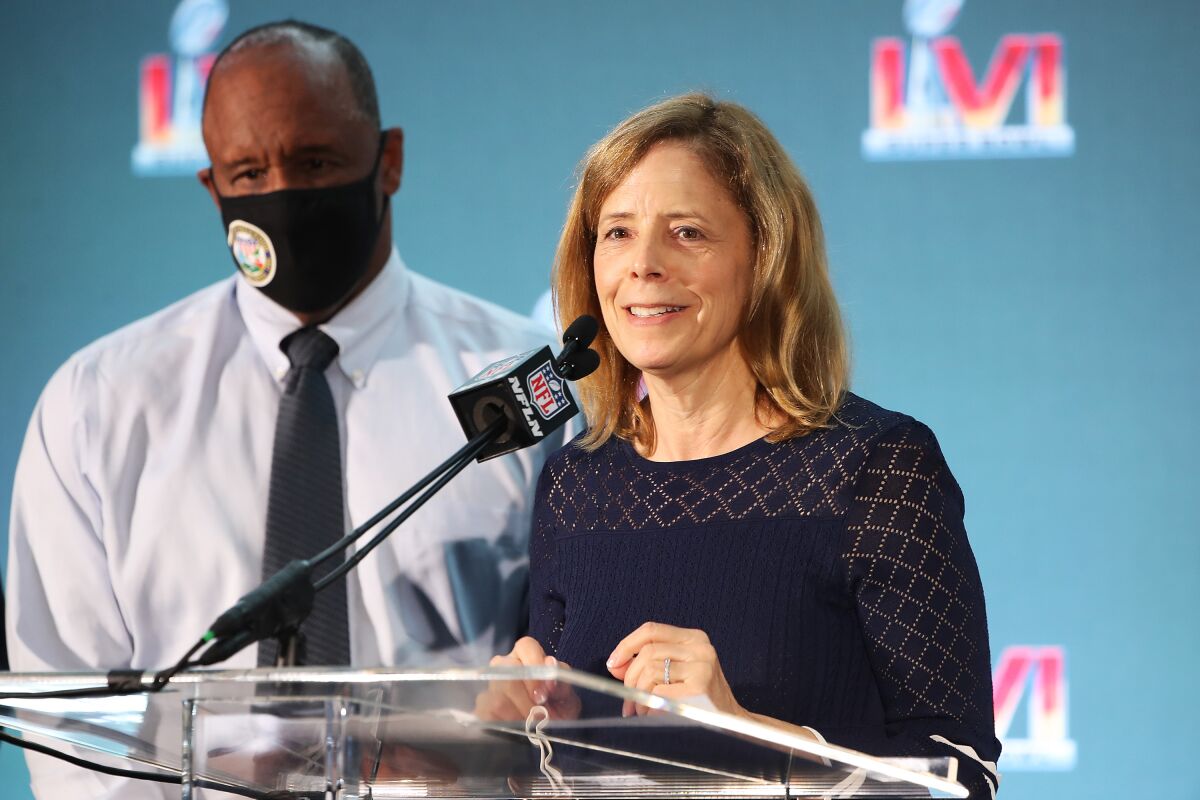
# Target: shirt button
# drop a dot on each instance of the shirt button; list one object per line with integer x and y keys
{"x": 280, "y": 373}
{"x": 357, "y": 378}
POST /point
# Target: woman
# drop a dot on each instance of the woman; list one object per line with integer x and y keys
{"x": 734, "y": 522}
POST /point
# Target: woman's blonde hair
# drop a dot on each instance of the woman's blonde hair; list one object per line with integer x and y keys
{"x": 792, "y": 337}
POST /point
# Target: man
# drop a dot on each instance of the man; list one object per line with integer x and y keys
{"x": 172, "y": 464}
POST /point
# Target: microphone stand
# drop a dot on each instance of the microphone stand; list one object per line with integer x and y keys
{"x": 281, "y": 603}
{"x": 279, "y": 606}
{"x": 290, "y": 647}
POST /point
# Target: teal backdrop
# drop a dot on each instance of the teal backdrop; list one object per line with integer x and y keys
{"x": 1038, "y": 313}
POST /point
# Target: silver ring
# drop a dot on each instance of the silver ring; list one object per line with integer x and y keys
{"x": 667, "y": 670}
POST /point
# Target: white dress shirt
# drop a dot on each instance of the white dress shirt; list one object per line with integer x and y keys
{"x": 139, "y": 507}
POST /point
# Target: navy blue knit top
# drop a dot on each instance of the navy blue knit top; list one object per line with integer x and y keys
{"x": 831, "y": 572}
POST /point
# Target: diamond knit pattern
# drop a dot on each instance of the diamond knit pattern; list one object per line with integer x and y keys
{"x": 305, "y": 507}
{"x": 831, "y": 572}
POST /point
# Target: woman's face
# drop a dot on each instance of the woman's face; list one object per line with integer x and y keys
{"x": 674, "y": 262}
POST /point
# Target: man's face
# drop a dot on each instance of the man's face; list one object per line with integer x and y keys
{"x": 283, "y": 116}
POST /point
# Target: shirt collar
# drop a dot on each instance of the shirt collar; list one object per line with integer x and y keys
{"x": 360, "y": 329}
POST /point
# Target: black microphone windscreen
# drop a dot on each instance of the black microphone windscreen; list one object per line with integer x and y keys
{"x": 581, "y": 364}
{"x": 582, "y": 330}
{"x": 528, "y": 389}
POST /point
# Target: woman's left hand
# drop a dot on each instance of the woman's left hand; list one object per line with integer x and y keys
{"x": 640, "y": 661}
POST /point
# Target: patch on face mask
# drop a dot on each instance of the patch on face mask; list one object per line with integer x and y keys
{"x": 253, "y": 252}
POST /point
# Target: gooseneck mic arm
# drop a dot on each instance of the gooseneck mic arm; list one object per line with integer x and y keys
{"x": 509, "y": 405}
{"x": 514, "y": 403}
{"x": 467, "y": 455}
{"x": 284, "y": 600}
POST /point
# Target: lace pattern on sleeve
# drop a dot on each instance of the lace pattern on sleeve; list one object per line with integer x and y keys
{"x": 918, "y": 592}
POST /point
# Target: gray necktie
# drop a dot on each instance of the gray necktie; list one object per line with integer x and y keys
{"x": 304, "y": 509}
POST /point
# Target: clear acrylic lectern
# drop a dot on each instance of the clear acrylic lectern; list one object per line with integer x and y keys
{"x": 382, "y": 733}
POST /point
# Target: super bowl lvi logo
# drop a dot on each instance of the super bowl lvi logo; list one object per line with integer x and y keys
{"x": 171, "y": 92}
{"x": 928, "y": 104}
{"x": 1034, "y": 676}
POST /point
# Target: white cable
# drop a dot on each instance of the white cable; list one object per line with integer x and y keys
{"x": 849, "y": 785}
{"x": 537, "y": 738}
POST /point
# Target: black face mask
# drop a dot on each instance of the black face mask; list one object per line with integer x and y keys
{"x": 306, "y": 249}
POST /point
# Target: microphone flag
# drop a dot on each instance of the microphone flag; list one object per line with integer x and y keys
{"x": 525, "y": 388}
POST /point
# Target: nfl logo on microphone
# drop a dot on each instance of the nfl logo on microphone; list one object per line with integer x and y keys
{"x": 546, "y": 389}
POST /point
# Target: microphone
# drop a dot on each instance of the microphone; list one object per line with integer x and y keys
{"x": 529, "y": 390}
{"x": 578, "y": 335}
{"x": 513, "y": 403}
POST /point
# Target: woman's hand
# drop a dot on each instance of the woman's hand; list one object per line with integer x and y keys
{"x": 640, "y": 660}
{"x": 511, "y": 700}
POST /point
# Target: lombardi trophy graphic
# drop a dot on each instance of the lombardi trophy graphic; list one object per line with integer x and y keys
{"x": 925, "y": 101}
{"x": 171, "y": 92}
